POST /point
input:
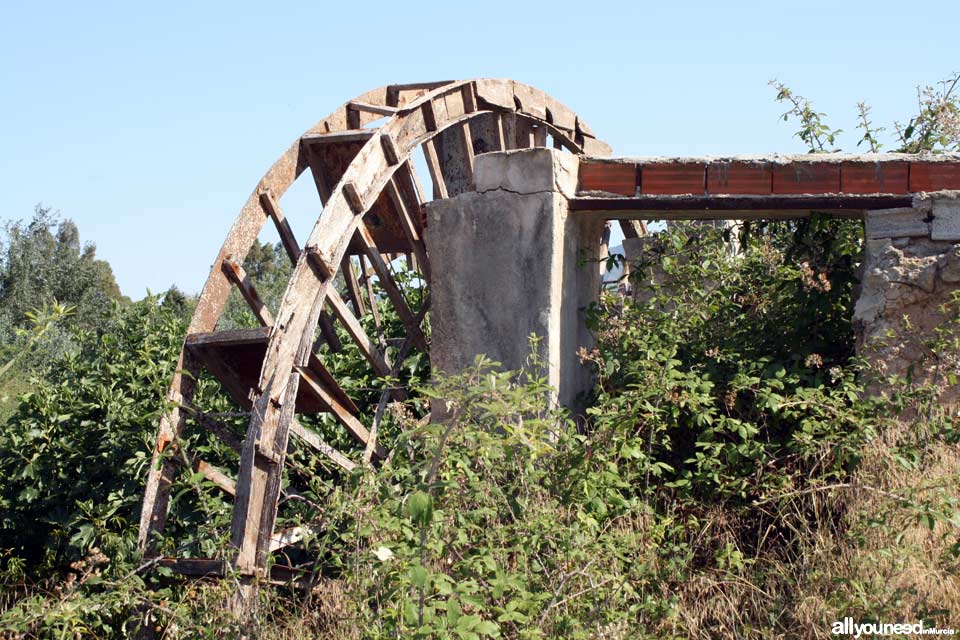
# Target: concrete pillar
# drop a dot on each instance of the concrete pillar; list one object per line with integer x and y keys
{"x": 508, "y": 261}
{"x": 911, "y": 273}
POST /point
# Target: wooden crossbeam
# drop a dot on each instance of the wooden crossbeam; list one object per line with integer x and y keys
{"x": 313, "y": 439}
{"x": 436, "y": 174}
{"x": 343, "y": 416}
{"x": 747, "y": 207}
{"x": 272, "y": 207}
{"x": 359, "y": 336}
{"x": 408, "y": 212}
{"x": 238, "y": 276}
{"x": 353, "y": 287}
{"x": 390, "y": 287}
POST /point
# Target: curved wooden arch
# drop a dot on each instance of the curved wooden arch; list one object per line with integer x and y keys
{"x": 450, "y": 121}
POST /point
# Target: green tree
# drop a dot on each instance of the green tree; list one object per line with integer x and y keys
{"x": 42, "y": 262}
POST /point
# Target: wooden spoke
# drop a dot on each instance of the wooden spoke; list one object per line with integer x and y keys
{"x": 372, "y": 298}
{"x": 436, "y": 174}
{"x": 409, "y": 211}
{"x": 340, "y": 412}
{"x": 359, "y": 336}
{"x": 272, "y": 207}
{"x": 353, "y": 288}
{"x": 239, "y": 277}
{"x": 314, "y": 440}
{"x": 390, "y": 287}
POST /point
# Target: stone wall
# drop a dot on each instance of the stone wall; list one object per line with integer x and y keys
{"x": 911, "y": 274}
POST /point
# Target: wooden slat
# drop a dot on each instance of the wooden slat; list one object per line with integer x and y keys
{"x": 353, "y": 287}
{"x": 380, "y": 110}
{"x": 230, "y": 338}
{"x": 313, "y": 439}
{"x": 343, "y": 416}
{"x": 272, "y": 207}
{"x": 408, "y": 212}
{"x": 239, "y": 277}
{"x": 356, "y": 332}
{"x": 334, "y": 137}
{"x": 390, "y": 287}
{"x": 372, "y": 298}
{"x": 436, "y": 174}
{"x": 217, "y": 477}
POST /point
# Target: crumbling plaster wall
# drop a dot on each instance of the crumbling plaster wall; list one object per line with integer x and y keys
{"x": 911, "y": 274}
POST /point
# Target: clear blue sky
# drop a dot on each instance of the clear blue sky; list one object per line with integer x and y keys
{"x": 150, "y": 125}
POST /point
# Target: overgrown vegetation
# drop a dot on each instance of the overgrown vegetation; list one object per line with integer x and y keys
{"x": 732, "y": 478}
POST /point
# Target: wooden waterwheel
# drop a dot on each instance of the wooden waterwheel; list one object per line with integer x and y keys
{"x": 361, "y": 161}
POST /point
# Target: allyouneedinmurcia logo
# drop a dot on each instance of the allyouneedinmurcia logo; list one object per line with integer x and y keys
{"x": 847, "y": 627}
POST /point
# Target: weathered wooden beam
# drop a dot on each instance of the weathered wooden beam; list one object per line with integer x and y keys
{"x": 239, "y": 277}
{"x": 356, "y": 332}
{"x": 342, "y": 415}
{"x": 408, "y": 212}
{"x": 390, "y": 287}
{"x": 289, "y": 241}
{"x": 353, "y": 287}
{"x": 313, "y": 439}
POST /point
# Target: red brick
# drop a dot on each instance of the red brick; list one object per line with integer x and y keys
{"x": 933, "y": 176}
{"x": 739, "y": 178}
{"x": 612, "y": 177}
{"x": 806, "y": 177}
{"x": 673, "y": 178}
{"x": 873, "y": 177}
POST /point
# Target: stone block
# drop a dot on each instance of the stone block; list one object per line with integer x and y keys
{"x": 905, "y": 222}
{"x": 946, "y": 220}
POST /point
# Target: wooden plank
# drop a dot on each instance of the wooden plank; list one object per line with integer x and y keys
{"x": 356, "y": 332}
{"x": 336, "y": 137}
{"x": 408, "y": 211}
{"x": 195, "y": 567}
{"x": 633, "y": 228}
{"x": 313, "y": 439}
{"x": 806, "y": 178}
{"x": 272, "y": 207}
{"x": 224, "y": 482}
{"x": 673, "y": 178}
{"x": 390, "y": 287}
{"x": 372, "y": 298}
{"x": 377, "y": 109}
{"x": 239, "y": 277}
{"x": 353, "y": 287}
{"x": 436, "y": 173}
{"x": 342, "y": 415}
{"x": 232, "y": 337}
{"x": 710, "y": 207}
